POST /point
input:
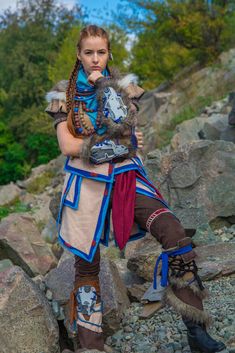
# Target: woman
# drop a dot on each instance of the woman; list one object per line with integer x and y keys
{"x": 95, "y": 125}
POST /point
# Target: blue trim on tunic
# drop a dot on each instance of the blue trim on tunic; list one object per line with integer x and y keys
{"x": 74, "y": 204}
{"x": 89, "y": 175}
{"x": 103, "y": 224}
{"x": 98, "y": 230}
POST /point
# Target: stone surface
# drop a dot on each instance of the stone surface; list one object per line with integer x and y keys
{"x": 211, "y": 125}
{"x": 50, "y": 232}
{"x": 60, "y": 280}
{"x": 20, "y": 241}
{"x": 27, "y": 323}
{"x": 128, "y": 277}
{"x": 5, "y": 264}
{"x": 9, "y": 193}
{"x": 114, "y": 296}
{"x": 208, "y": 191}
{"x": 205, "y": 235}
{"x": 216, "y": 260}
{"x": 114, "y": 293}
{"x": 144, "y": 258}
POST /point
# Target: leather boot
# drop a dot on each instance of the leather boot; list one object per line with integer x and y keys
{"x": 200, "y": 340}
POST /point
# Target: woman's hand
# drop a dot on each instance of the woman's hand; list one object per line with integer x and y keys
{"x": 93, "y": 77}
{"x": 140, "y": 139}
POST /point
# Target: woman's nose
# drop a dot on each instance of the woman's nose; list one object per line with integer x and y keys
{"x": 95, "y": 58}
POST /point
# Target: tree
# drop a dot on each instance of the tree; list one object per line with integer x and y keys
{"x": 175, "y": 33}
{"x": 30, "y": 38}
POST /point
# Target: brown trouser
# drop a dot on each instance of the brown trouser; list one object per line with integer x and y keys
{"x": 167, "y": 230}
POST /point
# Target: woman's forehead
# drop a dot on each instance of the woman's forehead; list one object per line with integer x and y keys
{"x": 94, "y": 43}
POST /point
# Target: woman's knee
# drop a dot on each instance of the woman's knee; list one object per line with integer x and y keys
{"x": 167, "y": 230}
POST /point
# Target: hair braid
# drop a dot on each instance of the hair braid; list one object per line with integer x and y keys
{"x": 70, "y": 93}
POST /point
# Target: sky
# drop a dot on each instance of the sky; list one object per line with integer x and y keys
{"x": 91, "y": 5}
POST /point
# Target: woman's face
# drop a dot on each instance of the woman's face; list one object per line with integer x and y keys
{"x": 94, "y": 54}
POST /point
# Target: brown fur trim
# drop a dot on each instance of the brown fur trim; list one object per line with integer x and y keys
{"x": 121, "y": 131}
{"x": 181, "y": 283}
{"x": 186, "y": 310}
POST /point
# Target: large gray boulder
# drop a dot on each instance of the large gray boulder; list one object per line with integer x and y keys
{"x": 207, "y": 127}
{"x": 27, "y": 323}
{"x": 21, "y": 242}
{"x": 198, "y": 181}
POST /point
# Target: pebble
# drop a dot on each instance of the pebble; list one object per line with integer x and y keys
{"x": 49, "y": 295}
{"x": 165, "y": 331}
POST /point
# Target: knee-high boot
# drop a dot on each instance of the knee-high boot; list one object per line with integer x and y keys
{"x": 86, "y": 304}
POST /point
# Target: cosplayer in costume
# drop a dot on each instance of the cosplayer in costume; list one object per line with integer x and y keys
{"x": 108, "y": 174}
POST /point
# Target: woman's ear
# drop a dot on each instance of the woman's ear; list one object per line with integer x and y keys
{"x": 78, "y": 56}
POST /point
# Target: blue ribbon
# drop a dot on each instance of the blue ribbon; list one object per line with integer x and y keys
{"x": 164, "y": 258}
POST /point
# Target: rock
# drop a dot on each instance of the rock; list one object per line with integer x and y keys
{"x": 114, "y": 296}
{"x": 27, "y": 323}
{"x": 50, "y": 232}
{"x": 204, "y": 235}
{"x": 214, "y": 127}
{"x": 9, "y": 193}
{"x": 136, "y": 292}
{"x": 5, "y": 264}
{"x": 41, "y": 212}
{"x": 52, "y": 168}
{"x": 54, "y": 205}
{"x": 114, "y": 293}
{"x": 20, "y": 241}
{"x": 60, "y": 280}
{"x": 216, "y": 260}
{"x": 129, "y": 278}
{"x": 208, "y": 192}
{"x": 144, "y": 258}
{"x": 187, "y": 131}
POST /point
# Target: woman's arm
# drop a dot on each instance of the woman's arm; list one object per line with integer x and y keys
{"x": 69, "y": 145}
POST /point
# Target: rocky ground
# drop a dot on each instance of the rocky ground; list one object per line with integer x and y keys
{"x": 165, "y": 332}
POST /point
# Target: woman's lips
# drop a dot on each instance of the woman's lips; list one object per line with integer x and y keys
{"x": 96, "y": 68}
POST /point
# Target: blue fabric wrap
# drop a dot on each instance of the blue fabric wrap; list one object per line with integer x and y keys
{"x": 164, "y": 258}
{"x": 83, "y": 86}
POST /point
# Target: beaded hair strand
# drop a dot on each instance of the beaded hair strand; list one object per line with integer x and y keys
{"x": 70, "y": 96}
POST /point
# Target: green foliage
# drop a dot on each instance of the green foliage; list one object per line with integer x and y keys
{"x": 30, "y": 38}
{"x": 16, "y": 207}
{"x": 173, "y": 34}
{"x": 42, "y": 148}
{"x": 118, "y": 40}
{"x": 13, "y": 165}
{"x": 66, "y": 57}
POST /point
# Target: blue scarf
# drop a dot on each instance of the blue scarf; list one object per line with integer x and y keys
{"x": 90, "y": 99}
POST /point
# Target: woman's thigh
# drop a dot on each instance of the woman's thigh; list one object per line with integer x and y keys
{"x": 153, "y": 216}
